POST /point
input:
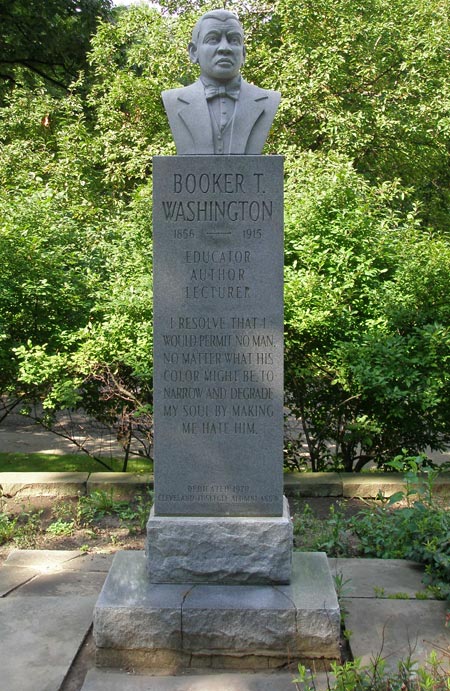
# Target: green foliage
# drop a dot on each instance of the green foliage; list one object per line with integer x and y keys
{"x": 336, "y": 539}
{"x": 136, "y": 516}
{"x": 61, "y": 528}
{"x": 100, "y": 503}
{"x": 75, "y": 305}
{"x": 354, "y": 676}
{"x": 7, "y": 527}
{"x": 24, "y": 529}
{"x": 367, "y": 365}
{"x": 331, "y": 535}
{"x": 86, "y": 515}
{"x": 366, "y": 282}
{"x": 419, "y": 531}
{"x": 307, "y": 528}
{"x": 368, "y": 79}
{"x": 51, "y": 228}
{"x": 413, "y": 524}
{"x": 364, "y": 128}
{"x": 132, "y": 61}
{"x": 46, "y": 40}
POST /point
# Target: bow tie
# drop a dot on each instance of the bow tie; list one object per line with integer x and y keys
{"x": 230, "y": 91}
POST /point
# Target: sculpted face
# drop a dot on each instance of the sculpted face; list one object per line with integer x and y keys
{"x": 219, "y": 49}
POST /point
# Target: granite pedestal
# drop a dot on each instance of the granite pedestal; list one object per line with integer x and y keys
{"x": 176, "y": 626}
{"x": 244, "y": 550}
{"x": 217, "y": 586}
{"x": 218, "y": 335}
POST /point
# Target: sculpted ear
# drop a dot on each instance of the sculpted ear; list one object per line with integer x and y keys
{"x": 193, "y": 54}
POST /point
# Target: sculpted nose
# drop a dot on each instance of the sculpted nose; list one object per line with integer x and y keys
{"x": 224, "y": 46}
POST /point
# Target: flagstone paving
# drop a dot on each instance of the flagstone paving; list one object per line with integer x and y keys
{"x": 47, "y": 600}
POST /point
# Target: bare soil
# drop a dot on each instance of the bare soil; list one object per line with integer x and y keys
{"x": 106, "y": 534}
{"x": 110, "y": 533}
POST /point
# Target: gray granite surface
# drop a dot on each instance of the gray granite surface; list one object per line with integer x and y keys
{"x": 134, "y": 619}
{"x": 44, "y": 633}
{"x": 218, "y": 335}
{"x": 187, "y": 549}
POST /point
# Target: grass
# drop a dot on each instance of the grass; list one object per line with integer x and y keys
{"x": 55, "y": 463}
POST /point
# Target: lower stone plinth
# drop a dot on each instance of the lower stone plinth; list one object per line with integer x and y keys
{"x": 155, "y": 626}
{"x": 220, "y": 550}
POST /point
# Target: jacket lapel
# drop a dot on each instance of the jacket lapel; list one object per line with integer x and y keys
{"x": 193, "y": 110}
{"x": 248, "y": 110}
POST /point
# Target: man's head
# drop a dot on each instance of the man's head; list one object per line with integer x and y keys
{"x": 217, "y": 45}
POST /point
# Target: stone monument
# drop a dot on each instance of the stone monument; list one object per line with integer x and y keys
{"x": 218, "y": 585}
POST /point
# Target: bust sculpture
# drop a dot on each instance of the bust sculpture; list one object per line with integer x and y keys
{"x": 220, "y": 113}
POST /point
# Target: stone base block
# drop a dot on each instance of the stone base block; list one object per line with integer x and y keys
{"x": 175, "y": 626}
{"x": 224, "y": 550}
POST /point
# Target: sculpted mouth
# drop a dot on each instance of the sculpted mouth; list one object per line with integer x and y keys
{"x": 225, "y": 62}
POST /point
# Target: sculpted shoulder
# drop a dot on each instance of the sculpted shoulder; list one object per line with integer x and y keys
{"x": 171, "y": 96}
{"x": 185, "y": 93}
{"x": 259, "y": 93}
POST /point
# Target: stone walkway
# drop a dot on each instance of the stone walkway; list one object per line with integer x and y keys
{"x": 20, "y": 434}
{"x": 47, "y": 600}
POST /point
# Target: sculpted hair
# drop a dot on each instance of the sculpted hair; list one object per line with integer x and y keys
{"x": 221, "y": 15}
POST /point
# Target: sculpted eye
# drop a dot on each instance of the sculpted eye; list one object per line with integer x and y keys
{"x": 212, "y": 38}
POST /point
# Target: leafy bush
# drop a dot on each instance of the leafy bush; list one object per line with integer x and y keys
{"x": 61, "y": 528}
{"x": 416, "y": 532}
{"x": 22, "y": 529}
{"x": 412, "y": 524}
{"x": 81, "y": 519}
{"x": 367, "y": 346}
{"x": 353, "y": 676}
{"x": 419, "y": 531}
{"x": 100, "y": 503}
{"x": 7, "y": 527}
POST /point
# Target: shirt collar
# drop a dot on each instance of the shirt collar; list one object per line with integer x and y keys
{"x": 234, "y": 83}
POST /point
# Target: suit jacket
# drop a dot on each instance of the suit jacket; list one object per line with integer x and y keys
{"x": 190, "y": 122}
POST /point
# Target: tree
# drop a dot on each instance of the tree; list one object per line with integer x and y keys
{"x": 51, "y": 225}
{"x": 76, "y": 238}
{"x": 367, "y": 319}
{"x": 364, "y": 131}
{"x": 105, "y": 366}
{"x": 46, "y": 40}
